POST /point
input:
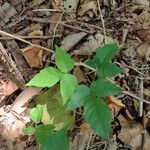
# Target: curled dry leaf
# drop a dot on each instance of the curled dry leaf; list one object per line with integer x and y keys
{"x": 33, "y": 55}
{"x": 144, "y": 51}
{"x": 114, "y": 103}
{"x": 87, "y": 6}
{"x": 7, "y": 86}
{"x": 71, "y": 40}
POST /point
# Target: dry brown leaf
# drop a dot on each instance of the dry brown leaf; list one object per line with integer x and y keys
{"x": 7, "y": 86}
{"x": 131, "y": 134}
{"x": 71, "y": 40}
{"x": 114, "y": 103}
{"x": 79, "y": 74}
{"x": 144, "y": 51}
{"x": 85, "y": 127}
{"x": 71, "y": 6}
{"x": 23, "y": 98}
{"x": 143, "y": 34}
{"x": 87, "y": 6}
{"x": 36, "y": 33}
{"x": 33, "y": 55}
{"x": 11, "y": 125}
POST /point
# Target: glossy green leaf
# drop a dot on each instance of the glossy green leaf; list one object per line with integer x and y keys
{"x": 106, "y": 53}
{"x": 28, "y": 130}
{"x": 63, "y": 60}
{"x": 68, "y": 84}
{"x": 57, "y": 141}
{"x": 109, "y": 70}
{"x": 42, "y": 132}
{"x": 104, "y": 88}
{"x": 47, "y": 77}
{"x": 98, "y": 115}
{"x": 36, "y": 113}
{"x": 55, "y": 110}
{"x": 78, "y": 98}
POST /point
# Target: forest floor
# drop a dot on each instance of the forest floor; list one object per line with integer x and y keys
{"x": 29, "y": 32}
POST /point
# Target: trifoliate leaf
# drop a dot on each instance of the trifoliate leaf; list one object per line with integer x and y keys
{"x": 57, "y": 141}
{"x": 47, "y": 77}
{"x": 55, "y": 112}
{"x": 78, "y": 98}
{"x": 42, "y": 132}
{"x": 36, "y": 113}
{"x": 28, "y": 130}
{"x": 109, "y": 70}
{"x": 104, "y": 88}
{"x": 68, "y": 84}
{"x": 63, "y": 60}
{"x": 106, "y": 53}
{"x": 98, "y": 115}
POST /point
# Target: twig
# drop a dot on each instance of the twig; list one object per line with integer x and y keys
{"x": 141, "y": 102}
{"x": 29, "y": 37}
{"x": 89, "y": 141}
{"x": 56, "y": 28}
{"x": 55, "y": 22}
{"x": 20, "y": 39}
{"x": 102, "y": 20}
{"x": 47, "y": 10}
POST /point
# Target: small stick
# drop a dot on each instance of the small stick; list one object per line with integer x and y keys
{"x": 102, "y": 20}
{"x": 20, "y": 39}
{"x": 29, "y": 37}
{"x": 55, "y": 22}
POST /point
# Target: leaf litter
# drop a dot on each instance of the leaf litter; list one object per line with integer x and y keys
{"x": 126, "y": 23}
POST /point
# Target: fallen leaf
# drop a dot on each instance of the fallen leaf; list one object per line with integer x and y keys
{"x": 92, "y": 43}
{"x": 23, "y": 98}
{"x": 85, "y": 127}
{"x": 143, "y": 34}
{"x": 131, "y": 134}
{"x": 71, "y": 40}
{"x": 144, "y": 51}
{"x": 7, "y": 86}
{"x": 79, "y": 74}
{"x": 71, "y": 6}
{"x": 143, "y": 3}
{"x": 87, "y": 6}
{"x": 36, "y": 33}
{"x": 33, "y": 55}
{"x": 114, "y": 103}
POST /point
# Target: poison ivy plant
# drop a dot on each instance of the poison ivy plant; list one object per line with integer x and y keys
{"x": 65, "y": 95}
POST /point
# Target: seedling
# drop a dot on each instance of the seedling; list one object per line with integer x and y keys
{"x": 65, "y": 95}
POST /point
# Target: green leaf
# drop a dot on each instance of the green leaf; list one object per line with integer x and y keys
{"x": 106, "y": 53}
{"x": 63, "y": 60}
{"x": 55, "y": 110}
{"x": 98, "y": 115}
{"x": 57, "y": 141}
{"x": 109, "y": 70}
{"x": 28, "y": 130}
{"x": 42, "y": 132}
{"x": 91, "y": 63}
{"x": 78, "y": 98}
{"x": 104, "y": 88}
{"x": 47, "y": 77}
{"x": 68, "y": 84}
{"x": 36, "y": 113}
